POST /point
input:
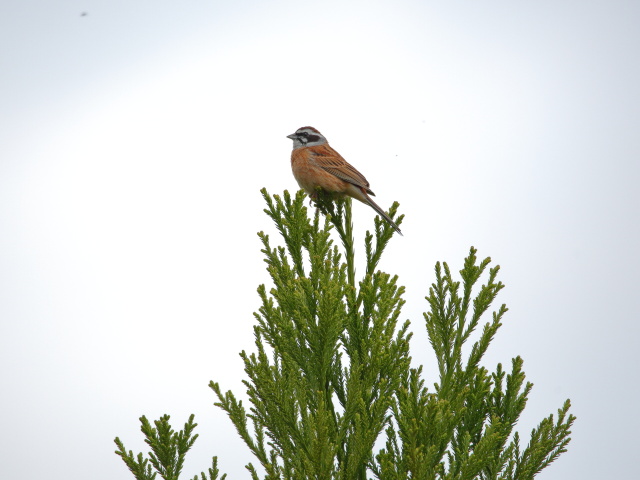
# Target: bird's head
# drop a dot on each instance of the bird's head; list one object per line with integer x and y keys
{"x": 306, "y": 137}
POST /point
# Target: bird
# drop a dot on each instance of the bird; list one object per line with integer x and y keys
{"x": 316, "y": 165}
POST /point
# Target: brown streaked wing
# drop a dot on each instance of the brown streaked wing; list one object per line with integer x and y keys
{"x": 331, "y": 161}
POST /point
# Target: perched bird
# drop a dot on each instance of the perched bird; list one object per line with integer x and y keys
{"x": 316, "y": 165}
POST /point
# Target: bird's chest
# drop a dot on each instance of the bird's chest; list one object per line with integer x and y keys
{"x": 304, "y": 172}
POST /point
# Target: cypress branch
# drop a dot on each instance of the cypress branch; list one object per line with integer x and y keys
{"x": 330, "y": 374}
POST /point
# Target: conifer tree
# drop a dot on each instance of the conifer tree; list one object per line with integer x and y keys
{"x": 331, "y": 374}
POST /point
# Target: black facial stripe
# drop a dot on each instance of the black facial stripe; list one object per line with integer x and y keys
{"x": 313, "y": 138}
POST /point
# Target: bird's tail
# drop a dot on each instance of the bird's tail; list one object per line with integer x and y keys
{"x": 381, "y": 212}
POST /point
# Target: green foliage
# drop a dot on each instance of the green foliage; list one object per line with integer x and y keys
{"x": 329, "y": 356}
{"x": 331, "y": 374}
{"x": 168, "y": 450}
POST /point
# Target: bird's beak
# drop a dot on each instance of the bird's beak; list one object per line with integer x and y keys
{"x": 292, "y": 136}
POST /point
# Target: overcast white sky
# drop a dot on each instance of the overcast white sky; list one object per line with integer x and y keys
{"x": 133, "y": 144}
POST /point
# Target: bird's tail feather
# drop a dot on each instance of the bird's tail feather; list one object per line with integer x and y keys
{"x": 381, "y": 212}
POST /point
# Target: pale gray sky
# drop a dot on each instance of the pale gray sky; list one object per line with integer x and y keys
{"x": 134, "y": 141}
